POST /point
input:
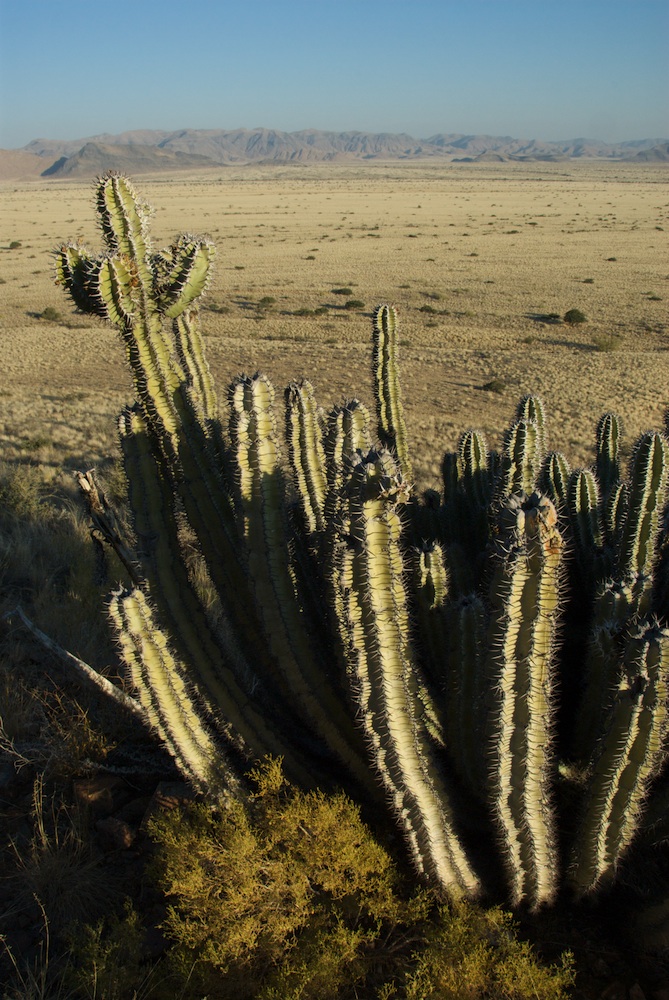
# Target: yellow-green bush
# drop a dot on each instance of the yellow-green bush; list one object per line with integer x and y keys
{"x": 293, "y": 897}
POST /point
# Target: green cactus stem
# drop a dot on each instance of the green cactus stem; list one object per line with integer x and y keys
{"x": 632, "y": 751}
{"x": 554, "y": 478}
{"x": 190, "y": 350}
{"x": 585, "y": 519}
{"x": 521, "y": 460}
{"x": 465, "y": 692}
{"x": 165, "y": 694}
{"x": 306, "y": 453}
{"x": 376, "y": 637}
{"x": 387, "y": 390}
{"x": 609, "y": 435}
{"x": 647, "y": 498}
{"x": 261, "y": 510}
{"x": 524, "y": 601}
{"x": 532, "y": 410}
{"x": 218, "y": 663}
{"x": 613, "y": 610}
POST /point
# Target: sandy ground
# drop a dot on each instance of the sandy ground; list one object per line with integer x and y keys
{"x": 475, "y": 257}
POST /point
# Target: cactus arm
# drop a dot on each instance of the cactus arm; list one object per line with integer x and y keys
{"x": 584, "y": 503}
{"x": 376, "y": 638}
{"x": 613, "y": 609}
{"x": 524, "y": 604}
{"x": 469, "y": 510}
{"x": 124, "y": 221}
{"x": 190, "y": 350}
{"x": 217, "y": 663}
{"x": 347, "y": 433}
{"x": 188, "y": 276}
{"x": 306, "y": 453}
{"x": 532, "y": 410}
{"x": 609, "y": 434}
{"x": 647, "y": 497}
{"x": 78, "y": 273}
{"x": 449, "y": 476}
{"x": 465, "y": 690}
{"x": 554, "y": 478}
{"x": 261, "y": 507}
{"x": 430, "y": 586}
{"x": 387, "y": 391}
{"x": 472, "y": 468}
{"x": 164, "y": 694}
{"x": 521, "y": 461}
{"x": 632, "y": 752}
{"x": 615, "y": 513}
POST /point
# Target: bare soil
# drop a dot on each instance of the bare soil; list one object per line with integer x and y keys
{"x": 481, "y": 260}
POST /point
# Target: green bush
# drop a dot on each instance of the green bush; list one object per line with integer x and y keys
{"x": 574, "y": 316}
{"x": 51, "y": 315}
{"x": 291, "y": 897}
{"x": 495, "y": 385}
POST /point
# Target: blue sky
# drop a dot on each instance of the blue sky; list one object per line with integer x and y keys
{"x": 549, "y": 69}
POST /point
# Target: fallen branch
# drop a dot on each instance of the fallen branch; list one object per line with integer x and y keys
{"x": 82, "y": 669}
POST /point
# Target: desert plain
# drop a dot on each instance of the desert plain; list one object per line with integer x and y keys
{"x": 481, "y": 260}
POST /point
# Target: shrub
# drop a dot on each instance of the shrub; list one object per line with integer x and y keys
{"x": 15, "y": 245}
{"x": 21, "y": 491}
{"x": 291, "y": 896}
{"x": 342, "y": 291}
{"x": 495, "y": 385}
{"x": 354, "y": 304}
{"x": 51, "y": 315}
{"x": 574, "y": 316}
{"x": 606, "y": 342}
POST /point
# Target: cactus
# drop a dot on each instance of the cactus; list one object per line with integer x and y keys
{"x": 524, "y": 595}
{"x": 631, "y": 753}
{"x": 376, "y": 636}
{"x": 368, "y": 636}
{"x": 390, "y": 412}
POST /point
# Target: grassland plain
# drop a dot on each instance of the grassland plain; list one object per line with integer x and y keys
{"x": 481, "y": 261}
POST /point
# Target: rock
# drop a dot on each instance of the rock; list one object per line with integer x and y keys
{"x": 103, "y": 795}
{"x": 133, "y": 811}
{"x": 636, "y": 993}
{"x": 614, "y": 991}
{"x": 115, "y": 834}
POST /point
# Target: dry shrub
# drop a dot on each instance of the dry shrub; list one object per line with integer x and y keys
{"x": 293, "y": 897}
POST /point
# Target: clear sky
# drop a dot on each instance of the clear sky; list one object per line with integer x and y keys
{"x": 547, "y": 69}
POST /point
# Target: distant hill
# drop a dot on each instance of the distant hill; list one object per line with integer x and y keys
{"x": 95, "y": 157}
{"x": 186, "y": 149}
{"x": 656, "y": 154}
{"x": 18, "y": 163}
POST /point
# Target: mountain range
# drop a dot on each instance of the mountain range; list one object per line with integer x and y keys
{"x": 151, "y": 151}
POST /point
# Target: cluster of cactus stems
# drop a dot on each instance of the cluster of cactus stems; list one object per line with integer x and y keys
{"x": 438, "y": 652}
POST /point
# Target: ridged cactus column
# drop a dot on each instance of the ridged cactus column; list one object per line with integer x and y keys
{"x": 632, "y": 751}
{"x": 385, "y": 680}
{"x": 524, "y": 600}
{"x": 387, "y": 389}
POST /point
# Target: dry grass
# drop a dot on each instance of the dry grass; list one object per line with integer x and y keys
{"x": 476, "y": 257}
